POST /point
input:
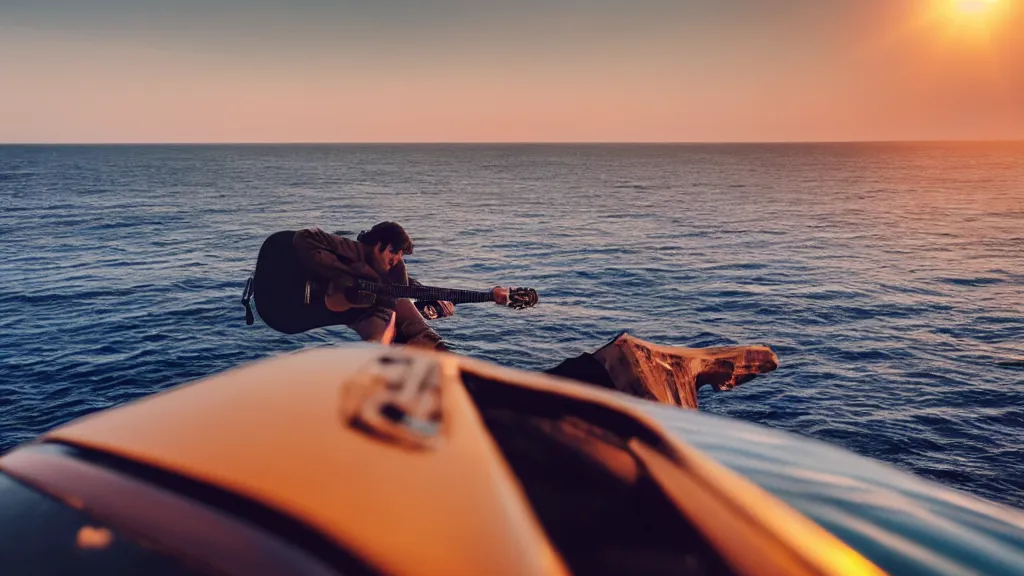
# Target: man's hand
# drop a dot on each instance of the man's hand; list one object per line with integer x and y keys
{"x": 447, "y": 308}
{"x": 434, "y": 309}
{"x": 500, "y": 295}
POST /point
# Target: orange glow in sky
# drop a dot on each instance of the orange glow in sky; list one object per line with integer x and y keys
{"x": 975, "y": 6}
{"x": 971, "y": 19}
{"x": 446, "y": 70}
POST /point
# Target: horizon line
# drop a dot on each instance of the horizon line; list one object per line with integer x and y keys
{"x": 520, "y": 142}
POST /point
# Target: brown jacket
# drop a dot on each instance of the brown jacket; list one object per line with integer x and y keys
{"x": 340, "y": 259}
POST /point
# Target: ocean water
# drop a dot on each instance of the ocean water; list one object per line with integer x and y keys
{"x": 889, "y": 278}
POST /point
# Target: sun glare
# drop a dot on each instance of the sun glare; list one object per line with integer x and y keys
{"x": 975, "y": 6}
{"x": 969, "y": 20}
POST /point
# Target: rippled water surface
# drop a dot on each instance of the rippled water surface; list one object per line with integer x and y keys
{"x": 888, "y": 278}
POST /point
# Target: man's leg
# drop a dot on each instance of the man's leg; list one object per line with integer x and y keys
{"x": 413, "y": 329}
{"x": 377, "y": 325}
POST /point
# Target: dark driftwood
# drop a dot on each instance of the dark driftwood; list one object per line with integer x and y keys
{"x": 672, "y": 375}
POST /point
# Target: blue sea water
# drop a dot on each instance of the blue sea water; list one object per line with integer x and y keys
{"x": 889, "y": 278}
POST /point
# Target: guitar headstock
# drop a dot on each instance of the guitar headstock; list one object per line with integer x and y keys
{"x": 520, "y": 298}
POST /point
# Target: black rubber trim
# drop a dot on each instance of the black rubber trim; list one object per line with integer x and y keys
{"x": 261, "y": 517}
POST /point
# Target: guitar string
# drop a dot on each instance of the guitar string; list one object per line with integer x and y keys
{"x": 455, "y": 296}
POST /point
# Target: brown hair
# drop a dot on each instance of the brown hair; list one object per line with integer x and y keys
{"x": 387, "y": 233}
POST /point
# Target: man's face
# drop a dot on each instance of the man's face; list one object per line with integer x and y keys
{"x": 385, "y": 257}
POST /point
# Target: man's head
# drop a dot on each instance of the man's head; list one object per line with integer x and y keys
{"x": 389, "y": 243}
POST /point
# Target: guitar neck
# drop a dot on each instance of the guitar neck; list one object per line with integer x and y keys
{"x": 427, "y": 293}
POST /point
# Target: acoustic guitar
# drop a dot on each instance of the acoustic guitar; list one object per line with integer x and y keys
{"x": 290, "y": 299}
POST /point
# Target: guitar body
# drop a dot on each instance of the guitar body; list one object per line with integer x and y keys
{"x": 339, "y": 302}
{"x": 291, "y": 300}
{"x": 279, "y": 285}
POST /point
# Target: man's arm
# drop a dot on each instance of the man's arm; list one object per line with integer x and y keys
{"x": 332, "y": 257}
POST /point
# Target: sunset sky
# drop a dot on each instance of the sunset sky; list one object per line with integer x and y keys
{"x": 524, "y": 70}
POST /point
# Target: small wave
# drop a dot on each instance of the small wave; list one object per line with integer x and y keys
{"x": 57, "y": 297}
{"x": 977, "y": 281}
{"x": 737, "y": 266}
{"x": 16, "y": 176}
{"x": 637, "y": 187}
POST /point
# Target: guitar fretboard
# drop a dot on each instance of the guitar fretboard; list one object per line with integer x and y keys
{"x": 426, "y": 293}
